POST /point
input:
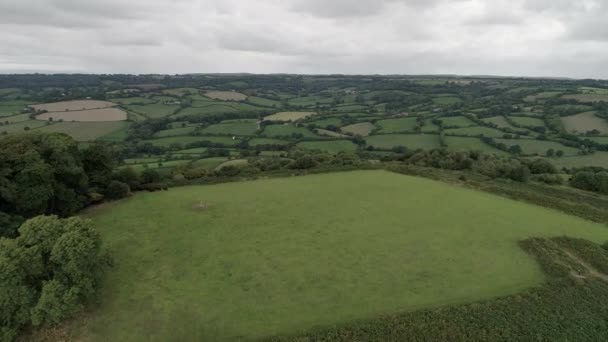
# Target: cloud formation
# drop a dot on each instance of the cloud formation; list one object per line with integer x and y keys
{"x": 498, "y": 37}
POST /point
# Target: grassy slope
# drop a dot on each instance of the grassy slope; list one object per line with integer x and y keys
{"x": 309, "y": 251}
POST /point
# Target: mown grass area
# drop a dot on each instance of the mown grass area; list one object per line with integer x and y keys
{"x": 411, "y": 141}
{"x": 584, "y": 122}
{"x": 308, "y": 252}
{"x": 287, "y": 131}
{"x": 333, "y": 146}
{"x": 540, "y": 147}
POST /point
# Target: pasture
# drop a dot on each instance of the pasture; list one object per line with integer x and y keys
{"x": 288, "y": 116}
{"x": 411, "y": 141}
{"x": 456, "y": 121}
{"x": 226, "y": 95}
{"x": 584, "y": 122}
{"x": 527, "y": 121}
{"x": 76, "y": 105}
{"x": 332, "y": 146}
{"x": 305, "y": 252}
{"x": 397, "y": 125}
{"x": 539, "y": 147}
{"x": 89, "y": 115}
{"x": 499, "y": 121}
{"x": 475, "y": 131}
{"x": 588, "y": 98}
{"x": 236, "y": 128}
{"x": 266, "y": 141}
{"x": 86, "y": 131}
{"x": 287, "y": 131}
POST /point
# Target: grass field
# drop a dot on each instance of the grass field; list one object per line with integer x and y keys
{"x": 89, "y": 115}
{"x": 72, "y": 105}
{"x": 397, "y": 125}
{"x": 266, "y": 141}
{"x": 226, "y": 95}
{"x": 456, "y": 121}
{"x": 446, "y": 100}
{"x": 324, "y": 123}
{"x": 153, "y": 111}
{"x": 581, "y": 123}
{"x": 85, "y": 131}
{"x": 499, "y": 121}
{"x": 588, "y": 97}
{"x": 329, "y": 133}
{"x": 411, "y": 141}
{"x": 527, "y": 121}
{"x": 476, "y": 131}
{"x": 288, "y": 116}
{"x": 168, "y": 141}
{"x": 173, "y": 132}
{"x": 333, "y": 146}
{"x": 287, "y": 131}
{"x": 599, "y": 159}
{"x": 470, "y": 144}
{"x": 236, "y": 128}
{"x": 540, "y": 147}
{"x": 363, "y": 128}
{"x": 308, "y": 251}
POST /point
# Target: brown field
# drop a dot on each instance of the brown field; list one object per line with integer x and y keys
{"x": 226, "y": 95}
{"x": 103, "y": 114}
{"x": 72, "y": 105}
{"x": 362, "y": 129}
{"x": 581, "y": 123}
{"x": 288, "y": 116}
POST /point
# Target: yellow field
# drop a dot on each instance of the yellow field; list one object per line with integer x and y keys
{"x": 102, "y": 114}
{"x": 288, "y": 116}
{"x": 72, "y": 105}
{"x": 226, "y": 95}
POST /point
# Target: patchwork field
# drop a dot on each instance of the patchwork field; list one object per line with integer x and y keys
{"x": 237, "y": 128}
{"x": 540, "y": 147}
{"x": 475, "y": 131}
{"x": 527, "y": 121}
{"x": 397, "y": 125}
{"x": 333, "y": 146}
{"x": 470, "y": 144}
{"x": 288, "y": 116}
{"x": 72, "y": 105}
{"x": 287, "y": 131}
{"x": 588, "y": 97}
{"x": 85, "y": 131}
{"x": 581, "y": 123}
{"x": 226, "y": 95}
{"x": 306, "y": 252}
{"x": 103, "y": 114}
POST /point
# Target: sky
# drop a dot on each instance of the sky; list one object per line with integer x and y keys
{"x": 553, "y": 38}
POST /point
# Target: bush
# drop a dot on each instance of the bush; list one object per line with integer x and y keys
{"x": 150, "y": 176}
{"x": 542, "y": 166}
{"x": 117, "y": 190}
{"x": 591, "y": 181}
{"x": 551, "y": 179}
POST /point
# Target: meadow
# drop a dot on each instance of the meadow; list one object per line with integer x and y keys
{"x": 540, "y": 147}
{"x": 362, "y": 128}
{"x": 72, "y": 105}
{"x": 411, "y": 141}
{"x": 584, "y": 122}
{"x": 86, "y": 131}
{"x": 308, "y": 252}
{"x": 89, "y": 115}
{"x": 288, "y": 116}
{"x": 333, "y": 146}
{"x": 226, "y": 95}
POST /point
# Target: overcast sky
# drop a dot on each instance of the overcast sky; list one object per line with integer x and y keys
{"x": 473, "y": 37}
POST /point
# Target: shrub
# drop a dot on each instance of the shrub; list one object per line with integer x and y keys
{"x": 117, "y": 190}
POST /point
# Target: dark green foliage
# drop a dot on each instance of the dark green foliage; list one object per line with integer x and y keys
{"x": 117, "y": 190}
{"x": 541, "y": 166}
{"x": 149, "y": 176}
{"x": 548, "y": 178}
{"x": 99, "y": 162}
{"x": 591, "y": 181}
{"x": 128, "y": 176}
{"x": 569, "y": 307}
{"x": 48, "y": 272}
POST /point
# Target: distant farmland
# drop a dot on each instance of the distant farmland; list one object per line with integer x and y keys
{"x": 288, "y": 116}
{"x": 72, "y": 105}
{"x": 102, "y": 114}
{"x": 226, "y": 95}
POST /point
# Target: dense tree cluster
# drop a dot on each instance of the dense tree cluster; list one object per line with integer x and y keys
{"x": 48, "y": 272}
{"x": 591, "y": 180}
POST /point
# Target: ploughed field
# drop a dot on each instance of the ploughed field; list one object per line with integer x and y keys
{"x": 281, "y": 256}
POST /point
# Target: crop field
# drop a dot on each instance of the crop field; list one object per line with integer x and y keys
{"x": 307, "y": 252}
{"x": 226, "y": 95}
{"x": 540, "y": 147}
{"x": 581, "y": 123}
{"x": 333, "y": 146}
{"x": 411, "y": 141}
{"x": 287, "y": 131}
{"x": 72, "y": 105}
{"x": 363, "y": 129}
{"x": 85, "y": 131}
{"x": 288, "y": 116}
{"x": 475, "y": 131}
{"x": 89, "y": 115}
{"x": 470, "y": 144}
{"x": 429, "y": 127}
{"x": 237, "y": 128}
{"x": 397, "y": 125}
{"x": 527, "y": 121}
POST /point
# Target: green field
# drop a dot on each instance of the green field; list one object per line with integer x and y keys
{"x": 307, "y": 252}
{"x": 411, "y": 141}
{"x": 540, "y": 147}
{"x": 587, "y": 98}
{"x": 475, "y": 131}
{"x": 153, "y": 111}
{"x": 397, "y": 125}
{"x": 446, "y": 100}
{"x": 499, "y": 121}
{"x": 470, "y": 144}
{"x": 527, "y": 121}
{"x": 86, "y": 131}
{"x": 333, "y": 146}
{"x": 456, "y": 121}
{"x": 267, "y": 141}
{"x": 236, "y": 128}
{"x": 581, "y": 123}
{"x": 599, "y": 159}
{"x": 362, "y": 128}
{"x": 184, "y": 140}
{"x": 172, "y": 132}
{"x": 287, "y": 131}
{"x": 324, "y": 123}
